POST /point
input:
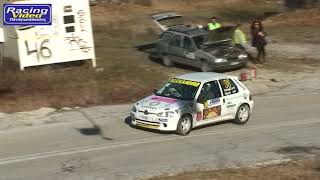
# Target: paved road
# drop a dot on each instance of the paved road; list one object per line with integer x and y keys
{"x": 282, "y": 127}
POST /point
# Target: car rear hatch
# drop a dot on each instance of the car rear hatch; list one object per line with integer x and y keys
{"x": 167, "y": 20}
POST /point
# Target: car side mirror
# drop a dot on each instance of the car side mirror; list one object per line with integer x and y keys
{"x": 200, "y": 100}
{"x": 155, "y": 91}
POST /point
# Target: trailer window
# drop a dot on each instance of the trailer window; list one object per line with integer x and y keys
{"x": 68, "y": 19}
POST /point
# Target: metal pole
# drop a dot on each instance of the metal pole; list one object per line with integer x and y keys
{"x": 1, "y": 53}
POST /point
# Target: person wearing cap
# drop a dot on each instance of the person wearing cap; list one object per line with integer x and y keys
{"x": 213, "y": 25}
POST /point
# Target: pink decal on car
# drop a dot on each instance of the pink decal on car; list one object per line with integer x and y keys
{"x": 164, "y": 99}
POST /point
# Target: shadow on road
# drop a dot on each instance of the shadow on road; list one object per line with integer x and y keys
{"x": 94, "y": 130}
{"x": 214, "y": 124}
{"x": 194, "y": 69}
{"x": 297, "y": 149}
{"x": 128, "y": 122}
{"x": 90, "y": 131}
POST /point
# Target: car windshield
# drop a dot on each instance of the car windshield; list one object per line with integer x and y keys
{"x": 179, "y": 89}
{"x": 199, "y": 40}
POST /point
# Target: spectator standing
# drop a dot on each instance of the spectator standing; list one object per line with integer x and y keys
{"x": 213, "y": 25}
{"x": 239, "y": 38}
{"x": 258, "y": 37}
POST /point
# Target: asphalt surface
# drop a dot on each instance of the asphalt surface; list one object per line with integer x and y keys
{"x": 282, "y": 127}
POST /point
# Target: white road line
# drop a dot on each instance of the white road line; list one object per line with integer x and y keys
{"x": 266, "y": 96}
{"x": 64, "y": 152}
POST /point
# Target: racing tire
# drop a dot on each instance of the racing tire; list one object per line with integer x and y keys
{"x": 243, "y": 114}
{"x": 167, "y": 61}
{"x": 205, "y": 67}
{"x": 184, "y": 125}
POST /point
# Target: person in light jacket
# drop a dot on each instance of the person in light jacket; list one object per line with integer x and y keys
{"x": 239, "y": 38}
{"x": 213, "y": 25}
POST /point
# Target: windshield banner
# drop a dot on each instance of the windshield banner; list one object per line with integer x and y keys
{"x": 185, "y": 82}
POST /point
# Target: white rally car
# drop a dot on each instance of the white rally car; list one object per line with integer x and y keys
{"x": 193, "y": 100}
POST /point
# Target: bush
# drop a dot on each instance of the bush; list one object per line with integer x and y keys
{"x": 143, "y": 2}
{"x": 296, "y": 4}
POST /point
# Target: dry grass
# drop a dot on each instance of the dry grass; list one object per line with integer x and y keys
{"x": 296, "y": 170}
{"x": 298, "y": 26}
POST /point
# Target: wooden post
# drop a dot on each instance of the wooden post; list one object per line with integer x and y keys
{"x": 1, "y": 53}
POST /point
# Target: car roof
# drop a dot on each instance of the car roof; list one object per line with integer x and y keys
{"x": 189, "y": 30}
{"x": 203, "y": 76}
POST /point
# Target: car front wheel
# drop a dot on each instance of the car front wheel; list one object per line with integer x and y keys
{"x": 243, "y": 114}
{"x": 167, "y": 61}
{"x": 205, "y": 67}
{"x": 184, "y": 125}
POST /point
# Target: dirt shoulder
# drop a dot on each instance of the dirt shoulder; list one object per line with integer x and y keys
{"x": 298, "y": 169}
{"x": 124, "y": 74}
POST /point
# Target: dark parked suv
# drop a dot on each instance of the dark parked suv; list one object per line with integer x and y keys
{"x": 197, "y": 47}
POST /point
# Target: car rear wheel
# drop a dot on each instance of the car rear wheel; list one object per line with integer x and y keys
{"x": 205, "y": 67}
{"x": 243, "y": 114}
{"x": 184, "y": 125}
{"x": 167, "y": 61}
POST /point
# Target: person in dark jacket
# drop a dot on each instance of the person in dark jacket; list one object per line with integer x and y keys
{"x": 258, "y": 37}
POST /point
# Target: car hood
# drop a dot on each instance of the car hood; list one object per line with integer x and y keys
{"x": 220, "y": 35}
{"x": 159, "y": 103}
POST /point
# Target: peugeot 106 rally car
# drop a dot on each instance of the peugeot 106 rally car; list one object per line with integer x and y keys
{"x": 193, "y": 100}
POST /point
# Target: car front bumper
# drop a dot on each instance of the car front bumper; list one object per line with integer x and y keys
{"x": 230, "y": 65}
{"x": 157, "y": 123}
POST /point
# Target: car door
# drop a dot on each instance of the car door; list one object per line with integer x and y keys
{"x": 231, "y": 97}
{"x": 163, "y": 43}
{"x": 189, "y": 49}
{"x": 175, "y": 50}
{"x": 211, "y": 98}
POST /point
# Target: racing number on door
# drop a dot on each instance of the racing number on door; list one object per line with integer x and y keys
{"x": 43, "y": 51}
{"x": 227, "y": 84}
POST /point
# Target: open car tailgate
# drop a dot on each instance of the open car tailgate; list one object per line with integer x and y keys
{"x": 166, "y": 20}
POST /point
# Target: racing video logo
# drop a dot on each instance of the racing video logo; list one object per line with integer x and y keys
{"x": 27, "y": 14}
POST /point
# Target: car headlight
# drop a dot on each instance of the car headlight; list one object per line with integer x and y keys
{"x": 220, "y": 60}
{"x": 134, "y": 109}
{"x": 243, "y": 56}
{"x": 165, "y": 114}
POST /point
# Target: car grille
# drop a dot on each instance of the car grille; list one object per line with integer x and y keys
{"x": 147, "y": 112}
{"x": 147, "y": 124}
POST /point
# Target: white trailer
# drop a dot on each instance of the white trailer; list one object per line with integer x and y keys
{"x": 69, "y": 38}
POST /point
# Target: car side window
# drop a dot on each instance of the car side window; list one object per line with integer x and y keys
{"x": 166, "y": 36}
{"x": 175, "y": 41}
{"x": 210, "y": 90}
{"x": 187, "y": 43}
{"x": 228, "y": 87}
